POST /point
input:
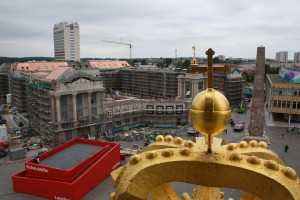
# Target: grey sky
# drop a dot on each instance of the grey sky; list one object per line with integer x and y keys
{"x": 234, "y": 28}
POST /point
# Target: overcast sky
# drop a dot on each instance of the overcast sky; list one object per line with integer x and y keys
{"x": 234, "y": 28}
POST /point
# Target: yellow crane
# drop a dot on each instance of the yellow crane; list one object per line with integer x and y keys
{"x": 123, "y": 43}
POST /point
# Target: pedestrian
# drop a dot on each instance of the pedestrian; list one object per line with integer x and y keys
{"x": 286, "y": 148}
{"x": 226, "y": 130}
{"x": 282, "y": 135}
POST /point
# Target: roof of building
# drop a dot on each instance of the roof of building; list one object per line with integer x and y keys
{"x": 37, "y": 66}
{"x": 108, "y": 64}
{"x": 275, "y": 78}
{"x": 71, "y": 156}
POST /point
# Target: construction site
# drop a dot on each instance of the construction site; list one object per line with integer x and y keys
{"x": 65, "y": 100}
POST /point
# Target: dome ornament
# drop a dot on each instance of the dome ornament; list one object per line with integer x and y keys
{"x": 210, "y": 110}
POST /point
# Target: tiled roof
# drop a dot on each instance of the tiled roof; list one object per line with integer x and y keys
{"x": 38, "y": 66}
{"x": 108, "y": 64}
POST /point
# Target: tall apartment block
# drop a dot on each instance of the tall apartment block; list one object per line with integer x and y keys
{"x": 66, "y": 41}
{"x": 281, "y": 56}
{"x": 297, "y": 56}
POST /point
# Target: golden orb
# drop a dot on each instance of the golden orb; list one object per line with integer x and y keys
{"x": 210, "y": 112}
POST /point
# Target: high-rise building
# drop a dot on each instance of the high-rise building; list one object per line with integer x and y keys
{"x": 297, "y": 56}
{"x": 66, "y": 41}
{"x": 281, "y": 56}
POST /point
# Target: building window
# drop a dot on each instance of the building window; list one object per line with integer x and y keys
{"x": 109, "y": 112}
{"x": 117, "y": 111}
{"x": 159, "y": 110}
{"x": 127, "y": 121}
{"x": 284, "y": 104}
{"x": 169, "y": 110}
{"x": 295, "y": 93}
{"x": 149, "y": 109}
{"x": 179, "y": 109}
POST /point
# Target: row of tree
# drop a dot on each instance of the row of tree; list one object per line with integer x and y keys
{"x": 24, "y": 59}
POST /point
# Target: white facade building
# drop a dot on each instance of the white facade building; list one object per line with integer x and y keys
{"x": 281, "y": 56}
{"x": 66, "y": 41}
{"x": 297, "y": 56}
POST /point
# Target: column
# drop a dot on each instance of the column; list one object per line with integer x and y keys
{"x": 52, "y": 108}
{"x": 180, "y": 86}
{"x": 74, "y": 108}
{"x": 289, "y": 119}
{"x": 194, "y": 86}
{"x": 90, "y": 106}
{"x": 58, "y": 114}
{"x": 98, "y": 103}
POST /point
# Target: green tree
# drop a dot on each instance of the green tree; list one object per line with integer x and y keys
{"x": 168, "y": 61}
{"x": 216, "y": 60}
{"x": 144, "y": 62}
{"x": 160, "y": 64}
{"x": 186, "y": 64}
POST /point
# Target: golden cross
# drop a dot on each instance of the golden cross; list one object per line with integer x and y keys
{"x": 209, "y": 69}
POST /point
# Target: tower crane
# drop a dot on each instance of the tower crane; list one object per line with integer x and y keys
{"x": 129, "y": 44}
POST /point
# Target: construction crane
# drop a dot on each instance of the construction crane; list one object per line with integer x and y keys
{"x": 130, "y": 45}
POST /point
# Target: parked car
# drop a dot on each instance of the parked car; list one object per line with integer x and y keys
{"x": 239, "y": 126}
{"x": 192, "y": 132}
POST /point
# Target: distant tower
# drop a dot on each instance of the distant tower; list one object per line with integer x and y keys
{"x": 66, "y": 41}
{"x": 281, "y": 56}
{"x": 176, "y": 54}
{"x": 297, "y": 56}
{"x": 257, "y": 108}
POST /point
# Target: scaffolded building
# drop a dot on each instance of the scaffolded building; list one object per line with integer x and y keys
{"x": 64, "y": 100}
{"x": 4, "y": 69}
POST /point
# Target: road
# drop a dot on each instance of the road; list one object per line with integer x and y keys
{"x": 103, "y": 190}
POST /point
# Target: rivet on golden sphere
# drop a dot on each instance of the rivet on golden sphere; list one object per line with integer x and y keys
{"x": 135, "y": 159}
{"x": 151, "y": 155}
{"x": 263, "y": 144}
{"x": 271, "y": 164}
{"x": 231, "y": 146}
{"x": 185, "y": 152}
{"x": 178, "y": 140}
{"x": 167, "y": 153}
{"x": 253, "y": 160}
{"x": 253, "y": 143}
{"x": 243, "y": 144}
{"x": 289, "y": 172}
{"x": 235, "y": 157}
{"x": 159, "y": 138}
{"x": 168, "y": 138}
{"x": 189, "y": 144}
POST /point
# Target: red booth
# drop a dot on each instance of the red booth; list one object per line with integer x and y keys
{"x": 68, "y": 171}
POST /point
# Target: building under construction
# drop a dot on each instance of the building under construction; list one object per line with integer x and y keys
{"x": 67, "y": 100}
{"x": 4, "y": 69}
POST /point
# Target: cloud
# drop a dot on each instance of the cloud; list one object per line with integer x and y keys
{"x": 155, "y": 28}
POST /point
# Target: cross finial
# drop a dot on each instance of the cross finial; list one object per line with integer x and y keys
{"x": 209, "y": 69}
{"x": 194, "y": 61}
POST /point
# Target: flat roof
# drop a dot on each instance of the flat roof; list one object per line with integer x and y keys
{"x": 71, "y": 156}
{"x": 275, "y": 78}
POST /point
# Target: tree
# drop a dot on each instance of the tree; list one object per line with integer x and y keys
{"x": 216, "y": 60}
{"x": 168, "y": 61}
{"x": 160, "y": 65}
{"x": 144, "y": 62}
{"x": 186, "y": 64}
